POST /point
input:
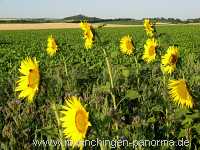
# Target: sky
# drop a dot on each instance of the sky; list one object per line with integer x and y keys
{"x": 138, "y": 9}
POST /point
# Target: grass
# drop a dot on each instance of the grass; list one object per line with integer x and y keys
{"x": 144, "y": 109}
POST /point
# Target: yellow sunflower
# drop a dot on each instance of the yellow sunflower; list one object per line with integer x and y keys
{"x": 126, "y": 45}
{"x": 75, "y": 121}
{"x": 169, "y": 60}
{"x": 88, "y": 43}
{"x": 89, "y": 39}
{"x": 51, "y": 46}
{"x": 88, "y": 34}
{"x": 149, "y": 27}
{"x": 179, "y": 93}
{"x": 150, "y": 50}
{"x": 85, "y": 26}
{"x": 29, "y": 81}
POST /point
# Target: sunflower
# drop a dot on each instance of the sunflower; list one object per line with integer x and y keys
{"x": 150, "y": 50}
{"x": 51, "y": 46}
{"x": 88, "y": 43}
{"x": 169, "y": 60}
{"x": 85, "y": 26}
{"x": 88, "y": 34}
{"x": 149, "y": 27}
{"x": 179, "y": 93}
{"x": 89, "y": 39}
{"x": 75, "y": 121}
{"x": 126, "y": 45}
{"x": 29, "y": 81}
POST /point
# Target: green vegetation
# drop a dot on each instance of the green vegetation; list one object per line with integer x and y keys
{"x": 144, "y": 110}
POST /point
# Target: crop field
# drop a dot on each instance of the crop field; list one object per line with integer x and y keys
{"x": 127, "y": 98}
{"x": 38, "y": 26}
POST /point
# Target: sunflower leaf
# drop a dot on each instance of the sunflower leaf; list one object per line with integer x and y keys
{"x": 125, "y": 73}
{"x": 182, "y": 133}
{"x": 132, "y": 94}
{"x": 49, "y": 131}
{"x": 114, "y": 54}
{"x": 197, "y": 128}
{"x": 157, "y": 108}
{"x": 105, "y": 88}
{"x": 151, "y": 120}
{"x": 187, "y": 122}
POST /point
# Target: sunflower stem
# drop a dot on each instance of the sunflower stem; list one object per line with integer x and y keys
{"x": 111, "y": 79}
{"x": 137, "y": 72}
{"x": 111, "y": 83}
{"x": 166, "y": 111}
{"x": 167, "y": 123}
{"x": 59, "y": 125}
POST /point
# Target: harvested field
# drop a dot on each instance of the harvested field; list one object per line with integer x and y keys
{"x": 36, "y": 26}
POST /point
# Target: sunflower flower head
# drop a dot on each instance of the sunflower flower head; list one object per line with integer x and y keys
{"x": 75, "y": 121}
{"x": 126, "y": 45}
{"x": 85, "y": 26}
{"x": 88, "y": 43}
{"x": 28, "y": 82}
{"x": 89, "y": 39}
{"x": 149, "y": 28}
{"x": 179, "y": 93}
{"x": 150, "y": 50}
{"x": 88, "y": 34}
{"x": 169, "y": 60}
{"x": 51, "y": 46}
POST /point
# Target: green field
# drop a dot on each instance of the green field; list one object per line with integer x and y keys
{"x": 144, "y": 110}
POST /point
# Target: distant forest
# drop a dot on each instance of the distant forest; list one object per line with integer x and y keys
{"x": 78, "y": 18}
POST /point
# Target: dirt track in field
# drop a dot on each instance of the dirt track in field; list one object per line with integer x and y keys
{"x": 36, "y": 26}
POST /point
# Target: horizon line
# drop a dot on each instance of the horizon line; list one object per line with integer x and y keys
{"x": 98, "y": 18}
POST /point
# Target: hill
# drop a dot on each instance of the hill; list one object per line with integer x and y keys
{"x": 78, "y": 18}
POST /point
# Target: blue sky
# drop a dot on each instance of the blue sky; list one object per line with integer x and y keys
{"x": 100, "y": 8}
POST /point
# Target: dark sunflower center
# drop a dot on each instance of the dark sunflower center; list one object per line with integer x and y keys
{"x": 81, "y": 121}
{"x": 53, "y": 44}
{"x": 33, "y": 78}
{"x": 173, "y": 59}
{"x": 182, "y": 91}
{"x": 152, "y": 50}
{"x": 129, "y": 45}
